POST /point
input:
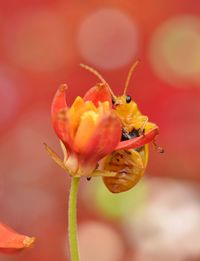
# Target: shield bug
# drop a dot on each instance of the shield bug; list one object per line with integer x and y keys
{"x": 128, "y": 164}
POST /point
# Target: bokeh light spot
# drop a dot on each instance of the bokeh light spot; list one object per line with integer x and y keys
{"x": 38, "y": 41}
{"x": 107, "y": 242}
{"x": 116, "y": 206}
{"x": 108, "y": 38}
{"x": 169, "y": 226}
{"x": 26, "y": 140}
{"x": 9, "y": 98}
{"x": 175, "y": 51}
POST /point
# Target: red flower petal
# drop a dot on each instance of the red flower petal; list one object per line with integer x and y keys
{"x": 104, "y": 140}
{"x": 139, "y": 141}
{"x": 98, "y": 93}
{"x": 59, "y": 101}
{"x": 59, "y": 117}
{"x": 11, "y": 241}
{"x": 62, "y": 128}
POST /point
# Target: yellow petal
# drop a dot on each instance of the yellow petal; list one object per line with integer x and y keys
{"x": 89, "y": 105}
{"x": 103, "y": 107}
{"x": 76, "y": 111}
{"x": 75, "y": 115}
{"x": 78, "y": 102}
{"x": 85, "y": 130}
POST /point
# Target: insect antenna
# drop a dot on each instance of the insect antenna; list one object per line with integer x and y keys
{"x": 90, "y": 69}
{"x": 129, "y": 75}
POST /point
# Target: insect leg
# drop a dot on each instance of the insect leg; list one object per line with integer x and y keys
{"x": 142, "y": 128}
{"x": 103, "y": 173}
{"x": 157, "y": 147}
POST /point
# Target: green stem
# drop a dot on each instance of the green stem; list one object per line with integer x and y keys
{"x": 72, "y": 223}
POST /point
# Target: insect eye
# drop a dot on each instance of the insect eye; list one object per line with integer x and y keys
{"x": 128, "y": 99}
{"x": 113, "y": 101}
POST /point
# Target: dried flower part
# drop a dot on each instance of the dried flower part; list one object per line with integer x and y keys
{"x": 11, "y": 241}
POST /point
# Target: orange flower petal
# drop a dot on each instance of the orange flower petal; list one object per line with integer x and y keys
{"x": 105, "y": 138}
{"x": 85, "y": 130}
{"x": 77, "y": 104}
{"x": 74, "y": 115}
{"x": 78, "y": 108}
{"x": 99, "y": 93}
{"x": 11, "y": 241}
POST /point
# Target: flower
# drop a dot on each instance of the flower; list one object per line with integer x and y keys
{"x": 89, "y": 129}
{"x": 11, "y": 241}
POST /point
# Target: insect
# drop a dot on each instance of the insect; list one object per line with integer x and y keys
{"x": 129, "y": 164}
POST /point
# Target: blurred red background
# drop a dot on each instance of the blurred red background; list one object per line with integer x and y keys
{"x": 42, "y": 44}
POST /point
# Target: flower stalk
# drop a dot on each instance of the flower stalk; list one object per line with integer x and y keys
{"x": 90, "y": 131}
{"x": 72, "y": 220}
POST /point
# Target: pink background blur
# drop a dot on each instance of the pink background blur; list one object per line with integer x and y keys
{"x": 41, "y": 46}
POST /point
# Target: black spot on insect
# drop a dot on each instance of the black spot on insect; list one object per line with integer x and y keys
{"x": 113, "y": 101}
{"x": 128, "y": 99}
{"x": 89, "y": 178}
{"x": 129, "y": 135}
{"x": 125, "y": 136}
{"x": 134, "y": 133}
